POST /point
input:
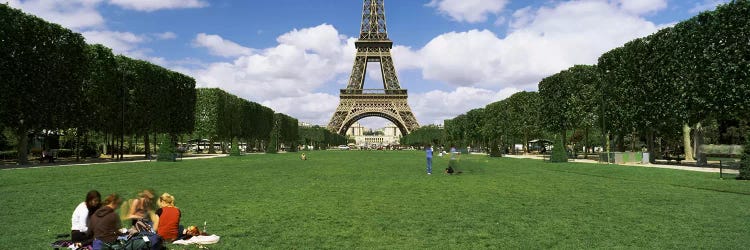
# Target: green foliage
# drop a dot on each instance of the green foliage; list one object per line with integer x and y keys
{"x": 319, "y": 137}
{"x": 465, "y": 129}
{"x": 568, "y": 99}
{"x": 287, "y": 129}
{"x": 513, "y": 120}
{"x": 222, "y": 116}
{"x": 559, "y": 153}
{"x": 235, "y": 150}
{"x": 495, "y": 150}
{"x": 42, "y": 68}
{"x": 424, "y": 135}
{"x": 166, "y": 149}
{"x": 273, "y": 142}
{"x": 745, "y": 163}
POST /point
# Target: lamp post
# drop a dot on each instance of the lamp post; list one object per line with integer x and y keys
{"x": 122, "y": 115}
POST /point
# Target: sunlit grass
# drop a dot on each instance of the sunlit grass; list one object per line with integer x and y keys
{"x": 377, "y": 199}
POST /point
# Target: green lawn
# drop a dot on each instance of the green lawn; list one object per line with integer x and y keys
{"x": 385, "y": 200}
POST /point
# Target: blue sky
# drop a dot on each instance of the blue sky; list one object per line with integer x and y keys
{"x": 294, "y": 55}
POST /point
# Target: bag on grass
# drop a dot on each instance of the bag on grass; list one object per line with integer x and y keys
{"x": 143, "y": 241}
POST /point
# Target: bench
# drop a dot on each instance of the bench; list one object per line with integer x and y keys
{"x": 671, "y": 155}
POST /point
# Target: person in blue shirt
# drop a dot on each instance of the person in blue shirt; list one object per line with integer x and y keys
{"x": 428, "y": 150}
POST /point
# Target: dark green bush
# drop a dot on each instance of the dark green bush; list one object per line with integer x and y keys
{"x": 65, "y": 153}
{"x": 495, "y": 150}
{"x": 559, "y": 154}
{"x": 745, "y": 164}
{"x": 11, "y": 154}
{"x": 235, "y": 150}
{"x": 166, "y": 149}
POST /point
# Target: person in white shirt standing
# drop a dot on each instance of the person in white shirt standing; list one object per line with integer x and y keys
{"x": 80, "y": 220}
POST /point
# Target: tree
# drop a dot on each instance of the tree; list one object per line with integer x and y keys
{"x": 430, "y": 134}
{"x": 745, "y": 164}
{"x": 523, "y": 111}
{"x": 559, "y": 154}
{"x": 43, "y": 69}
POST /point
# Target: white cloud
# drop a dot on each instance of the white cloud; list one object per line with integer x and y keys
{"x": 153, "y": 5}
{"x": 435, "y": 106}
{"x": 217, "y": 45}
{"x": 315, "y": 108}
{"x": 72, "y": 14}
{"x": 165, "y": 35}
{"x": 471, "y": 11}
{"x": 642, "y": 6}
{"x": 119, "y": 42}
{"x": 125, "y": 43}
{"x": 303, "y": 61}
{"x": 706, "y": 5}
{"x": 540, "y": 42}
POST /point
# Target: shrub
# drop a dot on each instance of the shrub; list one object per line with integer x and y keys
{"x": 558, "y": 152}
{"x": 65, "y": 153}
{"x": 166, "y": 149}
{"x": 745, "y": 164}
{"x": 272, "y": 143}
{"x": 495, "y": 150}
{"x": 235, "y": 150}
{"x": 11, "y": 154}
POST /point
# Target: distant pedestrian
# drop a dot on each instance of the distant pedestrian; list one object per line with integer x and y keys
{"x": 428, "y": 151}
{"x": 453, "y": 162}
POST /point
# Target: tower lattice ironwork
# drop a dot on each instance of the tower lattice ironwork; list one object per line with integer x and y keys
{"x": 390, "y": 102}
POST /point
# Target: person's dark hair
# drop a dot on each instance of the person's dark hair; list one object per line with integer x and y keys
{"x": 91, "y": 195}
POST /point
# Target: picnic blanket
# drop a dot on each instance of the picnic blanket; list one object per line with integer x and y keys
{"x": 201, "y": 240}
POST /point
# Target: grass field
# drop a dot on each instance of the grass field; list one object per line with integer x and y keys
{"x": 385, "y": 200}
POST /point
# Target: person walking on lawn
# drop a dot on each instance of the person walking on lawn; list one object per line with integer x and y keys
{"x": 428, "y": 151}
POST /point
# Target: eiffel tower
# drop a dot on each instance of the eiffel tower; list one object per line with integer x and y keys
{"x": 390, "y": 103}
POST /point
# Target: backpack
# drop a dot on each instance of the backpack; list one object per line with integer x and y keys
{"x": 140, "y": 241}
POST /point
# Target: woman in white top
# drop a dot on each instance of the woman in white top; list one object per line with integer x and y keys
{"x": 80, "y": 220}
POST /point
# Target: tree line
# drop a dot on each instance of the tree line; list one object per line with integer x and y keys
{"x": 672, "y": 91}
{"x": 53, "y": 83}
{"x": 319, "y": 137}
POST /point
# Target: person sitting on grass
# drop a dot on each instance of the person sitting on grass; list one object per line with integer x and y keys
{"x": 142, "y": 208}
{"x": 303, "y": 157}
{"x": 105, "y": 223}
{"x": 168, "y": 226}
{"x": 80, "y": 233}
{"x": 450, "y": 171}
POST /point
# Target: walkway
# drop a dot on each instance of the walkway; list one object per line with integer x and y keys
{"x": 678, "y": 167}
{"x": 53, "y": 165}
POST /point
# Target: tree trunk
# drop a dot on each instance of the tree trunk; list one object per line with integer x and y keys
{"x": 113, "y": 144}
{"x": 122, "y": 145}
{"x": 525, "y": 143}
{"x": 105, "y": 151}
{"x": 211, "y": 149}
{"x": 621, "y": 142}
{"x": 686, "y": 142}
{"x": 651, "y": 148}
{"x": 586, "y": 144}
{"x": 77, "y": 145}
{"x": 23, "y": 145}
{"x": 702, "y": 161}
{"x": 146, "y": 146}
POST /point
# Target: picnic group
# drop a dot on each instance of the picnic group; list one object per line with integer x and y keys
{"x": 150, "y": 222}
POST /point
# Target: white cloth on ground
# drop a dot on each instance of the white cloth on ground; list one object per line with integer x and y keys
{"x": 202, "y": 240}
